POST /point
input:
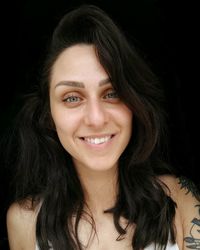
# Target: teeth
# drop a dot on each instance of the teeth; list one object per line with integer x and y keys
{"x": 97, "y": 141}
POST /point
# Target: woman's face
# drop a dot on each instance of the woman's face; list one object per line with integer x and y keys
{"x": 92, "y": 123}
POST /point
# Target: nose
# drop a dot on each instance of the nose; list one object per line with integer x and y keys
{"x": 96, "y": 114}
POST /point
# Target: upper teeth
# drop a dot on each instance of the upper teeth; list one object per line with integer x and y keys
{"x": 98, "y": 140}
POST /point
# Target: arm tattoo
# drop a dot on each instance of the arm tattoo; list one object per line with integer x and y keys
{"x": 193, "y": 240}
{"x": 189, "y": 186}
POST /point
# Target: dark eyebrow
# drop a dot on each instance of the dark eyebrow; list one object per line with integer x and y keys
{"x": 105, "y": 81}
{"x": 70, "y": 83}
{"x": 81, "y": 84}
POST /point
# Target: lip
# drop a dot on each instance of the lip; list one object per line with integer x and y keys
{"x": 100, "y": 145}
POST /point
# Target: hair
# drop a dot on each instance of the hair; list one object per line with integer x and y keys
{"x": 44, "y": 171}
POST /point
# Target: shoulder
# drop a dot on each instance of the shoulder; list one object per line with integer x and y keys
{"x": 186, "y": 196}
{"x": 21, "y": 226}
{"x": 182, "y": 190}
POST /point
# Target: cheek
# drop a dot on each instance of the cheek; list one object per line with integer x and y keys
{"x": 124, "y": 116}
{"x": 128, "y": 117}
{"x": 66, "y": 126}
{"x": 65, "y": 122}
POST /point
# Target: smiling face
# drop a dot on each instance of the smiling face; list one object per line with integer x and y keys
{"x": 92, "y": 123}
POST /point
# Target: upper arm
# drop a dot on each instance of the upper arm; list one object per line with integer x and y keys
{"x": 187, "y": 220}
{"x": 21, "y": 228}
{"x": 189, "y": 208}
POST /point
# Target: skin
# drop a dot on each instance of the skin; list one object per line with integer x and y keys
{"x": 94, "y": 126}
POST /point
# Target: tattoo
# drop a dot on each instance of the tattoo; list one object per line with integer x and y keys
{"x": 193, "y": 240}
{"x": 189, "y": 186}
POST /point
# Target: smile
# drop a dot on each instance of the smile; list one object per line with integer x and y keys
{"x": 97, "y": 140}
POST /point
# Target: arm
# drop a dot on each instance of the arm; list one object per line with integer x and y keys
{"x": 21, "y": 228}
{"x": 187, "y": 220}
{"x": 189, "y": 208}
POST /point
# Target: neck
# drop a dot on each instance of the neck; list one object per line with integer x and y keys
{"x": 100, "y": 188}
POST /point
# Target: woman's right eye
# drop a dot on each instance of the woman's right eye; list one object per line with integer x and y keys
{"x": 72, "y": 99}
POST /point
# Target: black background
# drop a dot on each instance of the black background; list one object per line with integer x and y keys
{"x": 165, "y": 31}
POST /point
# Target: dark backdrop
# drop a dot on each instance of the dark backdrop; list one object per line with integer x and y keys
{"x": 165, "y": 32}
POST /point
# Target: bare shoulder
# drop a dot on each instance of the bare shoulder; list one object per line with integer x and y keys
{"x": 181, "y": 189}
{"x": 186, "y": 195}
{"x": 21, "y": 226}
{"x": 180, "y": 186}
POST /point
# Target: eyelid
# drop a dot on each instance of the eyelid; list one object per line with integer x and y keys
{"x": 111, "y": 91}
{"x": 71, "y": 93}
{"x": 74, "y": 95}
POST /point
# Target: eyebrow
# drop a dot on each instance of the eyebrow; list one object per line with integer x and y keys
{"x": 81, "y": 84}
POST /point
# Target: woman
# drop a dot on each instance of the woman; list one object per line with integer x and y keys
{"x": 89, "y": 173}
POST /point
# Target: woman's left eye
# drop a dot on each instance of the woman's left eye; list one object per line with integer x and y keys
{"x": 111, "y": 95}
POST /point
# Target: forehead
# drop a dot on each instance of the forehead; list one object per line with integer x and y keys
{"x": 78, "y": 63}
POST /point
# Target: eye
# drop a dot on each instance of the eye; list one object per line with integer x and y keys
{"x": 72, "y": 99}
{"x": 111, "y": 94}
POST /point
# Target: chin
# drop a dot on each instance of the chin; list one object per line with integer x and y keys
{"x": 97, "y": 165}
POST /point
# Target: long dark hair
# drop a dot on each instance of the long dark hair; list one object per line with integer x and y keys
{"x": 44, "y": 170}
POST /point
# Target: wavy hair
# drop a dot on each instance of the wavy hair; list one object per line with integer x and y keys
{"x": 44, "y": 170}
